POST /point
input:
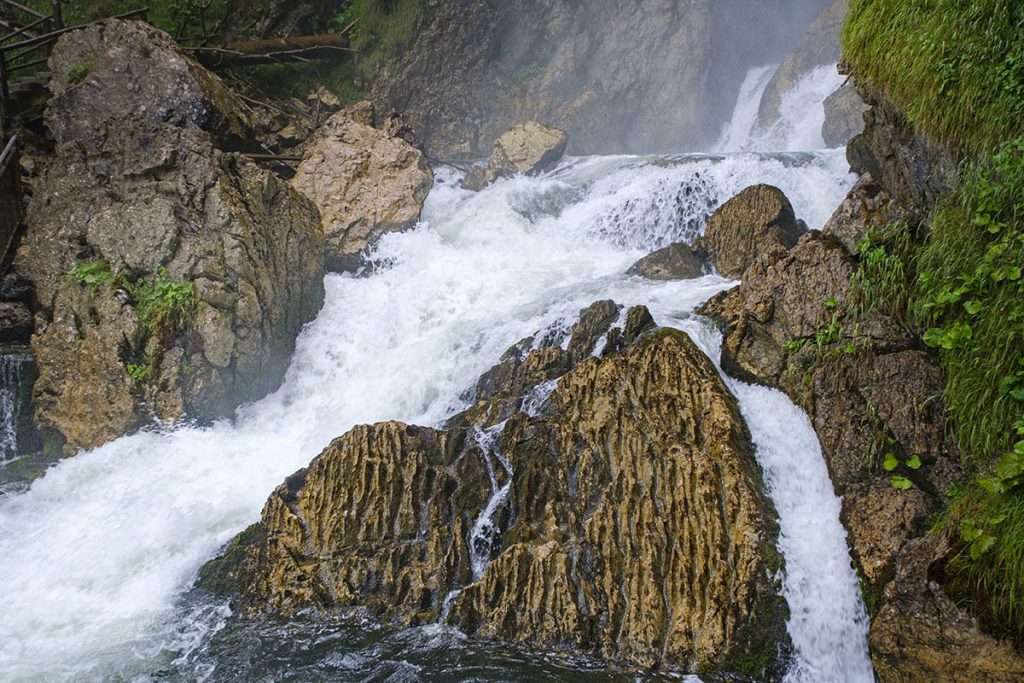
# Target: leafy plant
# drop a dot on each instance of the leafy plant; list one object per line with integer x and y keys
{"x": 94, "y": 274}
{"x": 138, "y": 372}
{"x": 164, "y": 306}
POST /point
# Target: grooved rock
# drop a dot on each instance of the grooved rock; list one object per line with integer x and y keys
{"x": 921, "y": 635}
{"x": 155, "y": 203}
{"x": 365, "y": 182}
{"x": 635, "y": 525}
{"x": 528, "y": 148}
{"x": 114, "y": 69}
{"x": 674, "y": 262}
{"x": 758, "y": 221}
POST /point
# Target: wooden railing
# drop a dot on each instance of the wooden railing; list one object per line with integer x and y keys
{"x": 11, "y": 209}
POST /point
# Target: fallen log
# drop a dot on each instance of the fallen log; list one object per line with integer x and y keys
{"x": 272, "y": 50}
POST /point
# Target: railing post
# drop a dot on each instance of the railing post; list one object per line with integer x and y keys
{"x": 4, "y": 93}
{"x": 57, "y": 18}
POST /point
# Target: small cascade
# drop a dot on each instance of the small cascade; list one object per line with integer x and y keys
{"x": 737, "y": 133}
{"x": 12, "y": 401}
{"x": 801, "y": 113}
{"x": 485, "y": 532}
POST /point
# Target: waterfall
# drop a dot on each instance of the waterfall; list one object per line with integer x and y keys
{"x": 801, "y": 113}
{"x": 12, "y": 371}
{"x": 99, "y": 554}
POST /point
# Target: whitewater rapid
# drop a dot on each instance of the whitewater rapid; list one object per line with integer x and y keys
{"x": 98, "y": 556}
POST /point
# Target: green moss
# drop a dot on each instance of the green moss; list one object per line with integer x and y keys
{"x": 78, "y": 73}
{"x": 226, "y": 574}
{"x": 298, "y": 79}
{"x": 184, "y": 19}
{"x": 956, "y": 67}
{"x": 383, "y": 28}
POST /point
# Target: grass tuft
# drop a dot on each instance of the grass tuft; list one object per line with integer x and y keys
{"x": 956, "y": 67}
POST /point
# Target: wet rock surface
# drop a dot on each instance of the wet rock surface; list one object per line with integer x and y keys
{"x": 844, "y": 116}
{"x": 674, "y": 262}
{"x": 365, "y": 183}
{"x": 921, "y": 635}
{"x": 628, "y": 492}
{"x": 757, "y": 221}
{"x": 528, "y": 148}
{"x": 172, "y": 278}
{"x": 117, "y": 69}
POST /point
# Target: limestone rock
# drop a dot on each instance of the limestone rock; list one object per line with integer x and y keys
{"x": 844, "y": 116}
{"x": 914, "y": 172}
{"x": 674, "y": 262}
{"x": 365, "y": 183}
{"x": 15, "y": 322}
{"x": 618, "y": 77}
{"x": 155, "y": 203}
{"x": 866, "y": 208}
{"x": 750, "y": 224}
{"x": 921, "y": 635}
{"x": 635, "y": 525}
{"x": 528, "y": 148}
{"x": 114, "y": 69}
{"x": 780, "y": 299}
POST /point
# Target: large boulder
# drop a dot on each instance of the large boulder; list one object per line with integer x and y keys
{"x": 674, "y": 262}
{"x": 645, "y": 444}
{"x": 365, "y": 182}
{"x": 114, "y": 69}
{"x": 528, "y": 148}
{"x": 173, "y": 279}
{"x": 784, "y": 296}
{"x": 759, "y": 220}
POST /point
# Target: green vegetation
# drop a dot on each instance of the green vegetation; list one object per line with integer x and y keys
{"x": 955, "y": 66}
{"x": 184, "y": 19}
{"x": 94, "y": 274}
{"x": 77, "y": 73}
{"x": 382, "y": 29}
{"x": 298, "y": 79}
{"x": 165, "y": 306}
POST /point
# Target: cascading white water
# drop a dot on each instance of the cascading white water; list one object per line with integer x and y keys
{"x": 98, "y": 555}
{"x": 11, "y": 371}
{"x": 801, "y": 112}
{"x": 737, "y": 133}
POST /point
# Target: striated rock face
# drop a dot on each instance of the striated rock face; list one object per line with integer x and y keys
{"x": 921, "y": 635}
{"x": 630, "y": 520}
{"x": 365, "y": 183}
{"x": 758, "y": 220}
{"x": 674, "y": 262}
{"x": 867, "y": 207}
{"x": 524, "y": 149}
{"x": 111, "y": 70}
